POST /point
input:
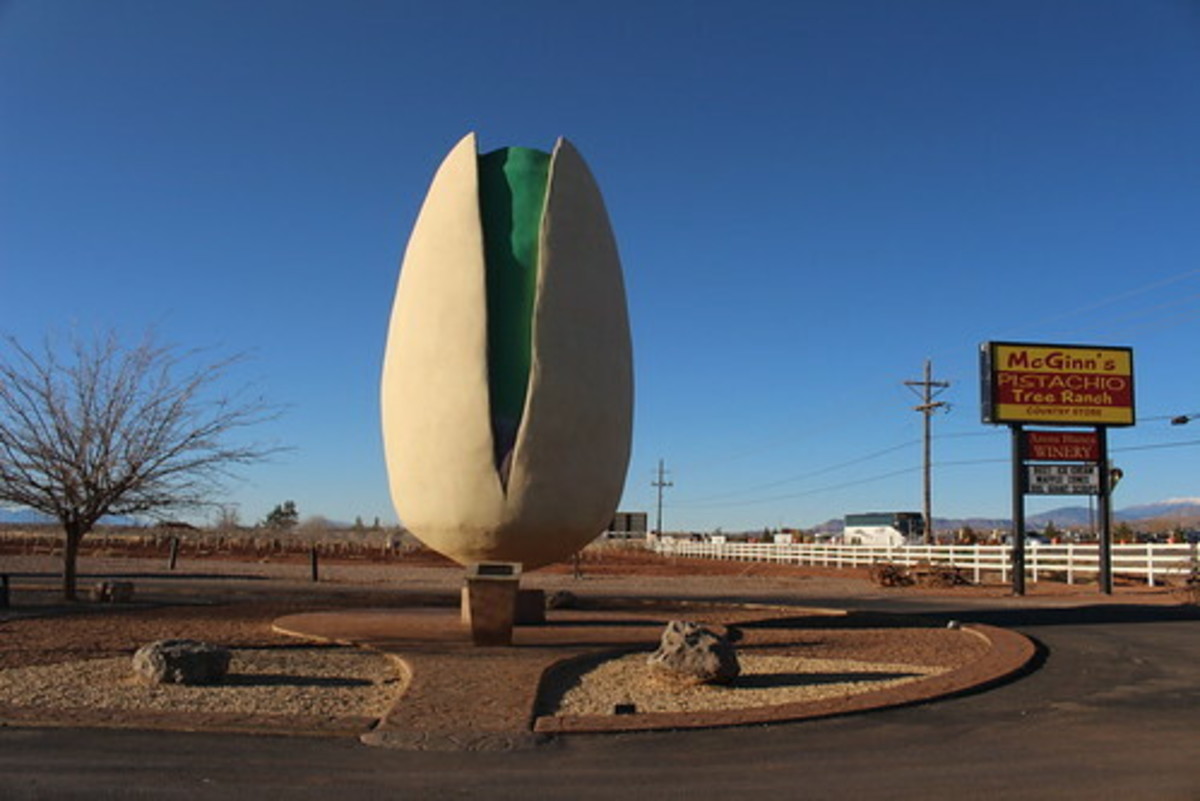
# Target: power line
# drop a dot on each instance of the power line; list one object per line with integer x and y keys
{"x": 1156, "y": 310}
{"x": 719, "y": 499}
{"x": 809, "y": 474}
{"x": 1171, "y": 417}
{"x": 804, "y": 493}
{"x": 1158, "y": 324}
{"x": 901, "y": 471}
{"x": 1156, "y": 446}
{"x": 722, "y": 499}
{"x": 1042, "y": 323}
{"x": 827, "y": 423}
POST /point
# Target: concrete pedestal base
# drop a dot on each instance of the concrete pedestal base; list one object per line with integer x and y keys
{"x": 489, "y": 602}
{"x": 485, "y": 618}
{"x": 531, "y": 607}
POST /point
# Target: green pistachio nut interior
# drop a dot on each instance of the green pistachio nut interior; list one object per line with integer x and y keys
{"x": 512, "y": 200}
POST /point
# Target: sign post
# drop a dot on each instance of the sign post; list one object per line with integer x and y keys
{"x": 1105, "y": 502}
{"x": 1058, "y": 385}
{"x": 1018, "y": 510}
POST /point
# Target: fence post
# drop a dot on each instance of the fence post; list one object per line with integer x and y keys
{"x": 1150, "y": 564}
{"x": 312, "y": 558}
{"x": 174, "y": 555}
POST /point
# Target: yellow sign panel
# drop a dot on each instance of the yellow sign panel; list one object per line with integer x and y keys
{"x": 1058, "y": 384}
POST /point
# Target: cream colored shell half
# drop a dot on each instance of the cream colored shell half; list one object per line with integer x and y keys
{"x": 572, "y": 449}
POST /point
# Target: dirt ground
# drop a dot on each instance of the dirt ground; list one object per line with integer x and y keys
{"x": 233, "y": 601}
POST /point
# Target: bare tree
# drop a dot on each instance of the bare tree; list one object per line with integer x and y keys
{"x": 92, "y": 428}
{"x": 228, "y": 518}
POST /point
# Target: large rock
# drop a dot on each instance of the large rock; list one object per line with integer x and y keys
{"x": 181, "y": 662}
{"x": 562, "y": 599}
{"x": 692, "y": 654}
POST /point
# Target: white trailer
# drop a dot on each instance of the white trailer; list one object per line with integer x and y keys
{"x": 883, "y": 529}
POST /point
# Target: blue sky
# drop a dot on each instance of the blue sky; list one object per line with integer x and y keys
{"x": 811, "y": 198}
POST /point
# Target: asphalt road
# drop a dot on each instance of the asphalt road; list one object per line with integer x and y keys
{"x": 1112, "y": 711}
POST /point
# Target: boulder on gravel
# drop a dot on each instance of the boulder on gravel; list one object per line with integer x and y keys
{"x": 181, "y": 662}
{"x": 689, "y": 653}
{"x": 562, "y": 599}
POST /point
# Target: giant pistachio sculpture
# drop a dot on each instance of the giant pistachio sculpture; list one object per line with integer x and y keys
{"x": 508, "y": 384}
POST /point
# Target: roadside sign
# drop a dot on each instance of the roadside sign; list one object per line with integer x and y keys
{"x": 1071, "y": 385}
{"x": 1062, "y": 446}
{"x": 1063, "y": 479}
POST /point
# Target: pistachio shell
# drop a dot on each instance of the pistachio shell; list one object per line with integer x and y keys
{"x": 572, "y": 448}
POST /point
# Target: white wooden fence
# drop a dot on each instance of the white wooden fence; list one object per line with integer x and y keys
{"x": 1155, "y": 562}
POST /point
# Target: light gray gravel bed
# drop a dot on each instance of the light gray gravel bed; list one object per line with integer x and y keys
{"x": 319, "y": 681}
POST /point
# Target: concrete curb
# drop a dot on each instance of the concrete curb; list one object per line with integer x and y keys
{"x": 1009, "y": 656}
{"x": 452, "y": 702}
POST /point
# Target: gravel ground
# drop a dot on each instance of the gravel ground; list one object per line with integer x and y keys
{"x": 307, "y": 681}
{"x": 764, "y": 681}
{"x": 81, "y": 660}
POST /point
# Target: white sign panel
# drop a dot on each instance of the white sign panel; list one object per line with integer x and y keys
{"x": 1063, "y": 479}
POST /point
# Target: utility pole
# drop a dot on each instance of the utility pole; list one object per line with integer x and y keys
{"x": 928, "y": 389}
{"x": 660, "y": 483}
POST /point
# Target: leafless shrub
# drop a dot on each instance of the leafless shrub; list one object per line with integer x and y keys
{"x": 887, "y": 574}
{"x": 934, "y": 575}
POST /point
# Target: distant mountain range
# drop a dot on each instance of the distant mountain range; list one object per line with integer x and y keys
{"x": 23, "y": 516}
{"x": 30, "y": 517}
{"x": 1185, "y": 509}
{"x": 1180, "y": 508}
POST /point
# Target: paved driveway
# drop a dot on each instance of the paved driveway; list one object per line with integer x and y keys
{"x": 1113, "y": 712}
